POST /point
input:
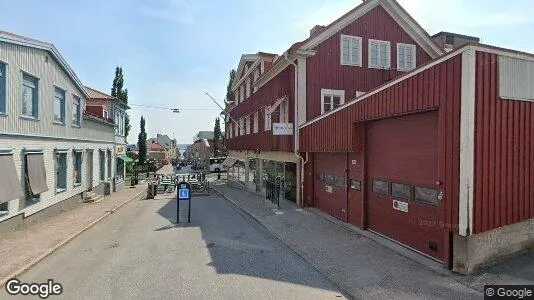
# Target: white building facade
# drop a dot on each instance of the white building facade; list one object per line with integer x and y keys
{"x": 50, "y": 153}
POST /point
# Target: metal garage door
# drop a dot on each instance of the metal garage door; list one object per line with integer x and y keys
{"x": 329, "y": 187}
{"x": 402, "y": 160}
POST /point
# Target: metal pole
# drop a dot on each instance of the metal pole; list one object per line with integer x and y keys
{"x": 189, "y": 213}
{"x": 177, "y": 208}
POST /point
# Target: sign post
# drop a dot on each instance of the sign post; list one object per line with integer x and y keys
{"x": 184, "y": 194}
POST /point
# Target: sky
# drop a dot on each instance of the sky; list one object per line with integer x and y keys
{"x": 173, "y": 52}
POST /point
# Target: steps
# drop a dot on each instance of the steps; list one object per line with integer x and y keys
{"x": 92, "y": 197}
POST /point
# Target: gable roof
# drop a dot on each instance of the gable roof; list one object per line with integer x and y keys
{"x": 259, "y": 57}
{"x": 15, "y": 39}
{"x": 98, "y": 95}
{"x": 392, "y": 7}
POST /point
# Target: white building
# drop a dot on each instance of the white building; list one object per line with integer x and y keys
{"x": 51, "y": 153}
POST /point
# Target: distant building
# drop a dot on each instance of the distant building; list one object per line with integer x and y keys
{"x": 203, "y": 135}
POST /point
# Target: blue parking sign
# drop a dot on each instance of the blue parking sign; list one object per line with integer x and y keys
{"x": 183, "y": 194}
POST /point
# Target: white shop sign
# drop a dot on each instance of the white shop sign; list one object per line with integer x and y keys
{"x": 282, "y": 128}
{"x": 399, "y": 205}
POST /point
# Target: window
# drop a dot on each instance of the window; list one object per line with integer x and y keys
{"x": 119, "y": 170}
{"x": 77, "y": 160}
{"x": 76, "y": 111}
{"x": 256, "y": 121}
{"x": 267, "y": 118}
{"x": 402, "y": 191}
{"x": 34, "y": 177}
{"x": 284, "y": 113}
{"x": 236, "y": 129}
{"x": 105, "y": 114}
{"x": 102, "y": 165}
{"x": 59, "y": 106}
{"x": 381, "y": 187}
{"x": 230, "y": 131}
{"x": 30, "y": 96}
{"x": 426, "y": 195}
{"x": 109, "y": 164}
{"x": 3, "y": 88}
{"x": 256, "y": 76}
{"x": 247, "y": 125}
{"x": 247, "y": 82}
{"x": 355, "y": 185}
{"x": 61, "y": 171}
{"x": 405, "y": 57}
{"x": 236, "y": 97}
{"x": 241, "y": 93}
{"x": 331, "y": 99}
{"x": 379, "y": 54}
{"x": 4, "y": 208}
{"x": 351, "y": 50}
{"x": 9, "y": 181}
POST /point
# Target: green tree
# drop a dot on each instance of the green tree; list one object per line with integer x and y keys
{"x": 141, "y": 142}
{"x": 229, "y": 94}
{"x": 216, "y": 136}
{"x": 118, "y": 92}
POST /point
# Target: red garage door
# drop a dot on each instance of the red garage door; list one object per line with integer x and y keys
{"x": 402, "y": 159}
{"x": 329, "y": 188}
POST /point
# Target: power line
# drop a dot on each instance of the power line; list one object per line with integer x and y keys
{"x": 171, "y": 108}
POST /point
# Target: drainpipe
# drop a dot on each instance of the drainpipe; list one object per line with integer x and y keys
{"x": 295, "y": 133}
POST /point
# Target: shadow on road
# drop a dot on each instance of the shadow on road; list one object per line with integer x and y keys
{"x": 239, "y": 245}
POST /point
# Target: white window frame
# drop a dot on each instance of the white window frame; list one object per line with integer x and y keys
{"x": 414, "y": 63}
{"x": 241, "y": 126}
{"x": 331, "y": 93}
{"x": 236, "y": 96}
{"x": 33, "y": 83}
{"x": 241, "y": 93}
{"x": 77, "y": 101}
{"x": 230, "y": 131}
{"x": 352, "y": 40}
{"x": 62, "y": 105}
{"x": 267, "y": 118}
{"x": 105, "y": 114}
{"x": 255, "y": 117}
{"x": 74, "y": 154}
{"x": 380, "y": 44}
{"x": 247, "y": 87}
{"x": 247, "y": 124}
{"x": 236, "y": 128}
{"x": 284, "y": 111}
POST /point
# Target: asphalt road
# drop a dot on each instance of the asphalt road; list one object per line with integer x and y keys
{"x": 138, "y": 253}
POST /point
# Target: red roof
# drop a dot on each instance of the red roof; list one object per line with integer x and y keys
{"x": 155, "y": 146}
{"x": 94, "y": 94}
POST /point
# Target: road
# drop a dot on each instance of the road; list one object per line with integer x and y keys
{"x": 138, "y": 253}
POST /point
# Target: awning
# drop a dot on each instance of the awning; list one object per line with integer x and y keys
{"x": 9, "y": 181}
{"x": 125, "y": 159}
{"x": 36, "y": 173}
{"x": 229, "y": 162}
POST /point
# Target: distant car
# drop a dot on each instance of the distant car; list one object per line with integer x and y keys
{"x": 216, "y": 165}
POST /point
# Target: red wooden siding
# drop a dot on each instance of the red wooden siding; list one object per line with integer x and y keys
{"x": 334, "y": 203}
{"x": 325, "y": 71}
{"x": 437, "y": 88}
{"x": 281, "y": 85}
{"x": 504, "y": 152}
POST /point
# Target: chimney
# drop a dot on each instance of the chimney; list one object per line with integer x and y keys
{"x": 316, "y": 30}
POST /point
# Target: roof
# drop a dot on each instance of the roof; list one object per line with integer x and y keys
{"x": 153, "y": 145}
{"x": 393, "y": 8}
{"x": 12, "y": 38}
{"x": 98, "y": 95}
{"x": 247, "y": 58}
{"x": 445, "y": 33}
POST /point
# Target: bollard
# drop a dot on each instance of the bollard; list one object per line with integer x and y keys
{"x": 219, "y": 176}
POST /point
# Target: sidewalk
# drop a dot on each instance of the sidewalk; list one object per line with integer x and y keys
{"x": 360, "y": 266}
{"x": 23, "y": 248}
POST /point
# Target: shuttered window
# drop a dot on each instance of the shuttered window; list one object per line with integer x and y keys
{"x": 379, "y": 54}
{"x": 9, "y": 182}
{"x": 351, "y": 50}
{"x": 405, "y": 57}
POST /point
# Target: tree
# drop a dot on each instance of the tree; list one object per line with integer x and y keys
{"x": 229, "y": 94}
{"x": 121, "y": 94}
{"x": 216, "y": 136}
{"x": 141, "y": 142}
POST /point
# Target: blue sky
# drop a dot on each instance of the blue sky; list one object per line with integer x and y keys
{"x": 173, "y": 51}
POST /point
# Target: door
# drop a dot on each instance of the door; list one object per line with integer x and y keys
{"x": 89, "y": 170}
{"x": 402, "y": 171}
{"x": 329, "y": 184}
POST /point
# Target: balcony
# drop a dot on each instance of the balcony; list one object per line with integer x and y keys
{"x": 262, "y": 140}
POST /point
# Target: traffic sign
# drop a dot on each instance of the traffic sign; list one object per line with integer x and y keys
{"x": 183, "y": 194}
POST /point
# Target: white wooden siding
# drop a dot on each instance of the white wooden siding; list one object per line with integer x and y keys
{"x": 50, "y": 197}
{"x": 516, "y": 78}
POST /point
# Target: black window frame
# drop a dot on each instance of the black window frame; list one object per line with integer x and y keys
{"x": 424, "y": 201}
{"x": 410, "y": 190}
{"x": 381, "y": 193}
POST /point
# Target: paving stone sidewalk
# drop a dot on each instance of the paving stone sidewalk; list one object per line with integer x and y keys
{"x": 357, "y": 264}
{"x": 20, "y": 249}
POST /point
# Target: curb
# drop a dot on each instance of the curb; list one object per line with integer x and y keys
{"x": 71, "y": 237}
{"x": 344, "y": 291}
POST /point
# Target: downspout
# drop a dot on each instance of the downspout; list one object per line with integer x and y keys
{"x": 295, "y": 132}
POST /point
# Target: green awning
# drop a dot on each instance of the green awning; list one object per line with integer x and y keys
{"x": 126, "y": 159}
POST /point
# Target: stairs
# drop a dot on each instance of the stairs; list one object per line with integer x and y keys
{"x": 92, "y": 197}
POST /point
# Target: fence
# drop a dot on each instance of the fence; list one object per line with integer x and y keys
{"x": 273, "y": 187}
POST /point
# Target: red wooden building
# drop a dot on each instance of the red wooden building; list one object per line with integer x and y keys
{"x": 439, "y": 159}
{"x": 370, "y": 45}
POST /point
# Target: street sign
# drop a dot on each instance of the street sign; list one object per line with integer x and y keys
{"x": 282, "y": 128}
{"x": 184, "y": 193}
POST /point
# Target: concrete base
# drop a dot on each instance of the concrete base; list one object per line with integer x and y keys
{"x": 476, "y": 252}
{"x": 99, "y": 189}
{"x": 21, "y": 220}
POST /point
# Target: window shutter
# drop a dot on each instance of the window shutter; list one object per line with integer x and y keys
{"x": 401, "y": 57}
{"x": 345, "y": 49}
{"x": 374, "y": 53}
{"x": 355, "y": 51}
